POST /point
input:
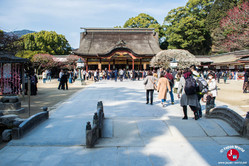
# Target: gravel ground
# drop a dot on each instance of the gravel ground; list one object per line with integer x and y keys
{"x": 231, "y": 93}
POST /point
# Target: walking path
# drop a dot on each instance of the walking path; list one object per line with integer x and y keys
{"x": 134, "y": 133}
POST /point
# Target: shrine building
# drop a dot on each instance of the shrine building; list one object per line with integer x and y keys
{"x": 116, "y": 48}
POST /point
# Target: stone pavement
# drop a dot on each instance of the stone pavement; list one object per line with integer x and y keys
{"x": 134, "y": 133}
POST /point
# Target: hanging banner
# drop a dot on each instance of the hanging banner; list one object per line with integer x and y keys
{"x": 7, "y": 70}
{"x": 246, "y": 66}
{"x": 217, "y": 67}
{"x": 232, "y": 67}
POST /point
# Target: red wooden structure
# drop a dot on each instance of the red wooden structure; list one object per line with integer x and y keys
{"x": 11, "y": 74}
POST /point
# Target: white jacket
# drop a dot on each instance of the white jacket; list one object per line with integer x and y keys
{"x": 212, "y": 88}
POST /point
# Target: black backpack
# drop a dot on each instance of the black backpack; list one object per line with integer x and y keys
{"x": 190, "y": 86}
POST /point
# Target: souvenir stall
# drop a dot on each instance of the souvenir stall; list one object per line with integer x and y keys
{"x": 11, "y": 74}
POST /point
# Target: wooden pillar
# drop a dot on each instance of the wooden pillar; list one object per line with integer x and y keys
{"x": 114, "y": 63}
{"x": 140, "y": 64}
{"x": 109, "y": 67}
{"x": 86, "y": 65}
{"x": 23, "y": 79}
{"x": 100, "y": 65}
{"x": 144, "y": 66}
{"x": 132, "y": 64}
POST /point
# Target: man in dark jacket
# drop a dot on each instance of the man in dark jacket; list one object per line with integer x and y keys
{"x": 245, "y": 85}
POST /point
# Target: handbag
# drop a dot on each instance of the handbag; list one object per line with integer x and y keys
{"x": 155, "y": 88}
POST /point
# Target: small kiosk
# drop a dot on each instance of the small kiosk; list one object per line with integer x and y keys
{"x": 11, "y": 74}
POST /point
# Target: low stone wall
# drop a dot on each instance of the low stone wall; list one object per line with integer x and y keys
{"x": 240, "y": 124}
{"x": 93, "y": 133}
{"x": 29, "y": 124}
{"x": 246, "y": 126}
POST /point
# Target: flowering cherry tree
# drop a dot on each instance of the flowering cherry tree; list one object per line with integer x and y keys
{"x": 235, "y": 28}
{"x": 43, "y": 61}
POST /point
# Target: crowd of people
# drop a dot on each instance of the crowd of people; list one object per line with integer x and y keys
{"x": 192, "y": 87}
{"x": 117, "y": 74}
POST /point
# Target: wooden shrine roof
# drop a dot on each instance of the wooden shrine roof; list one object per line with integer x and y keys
{"x": 102, "y": 42}
{"x": 9, "y": 58}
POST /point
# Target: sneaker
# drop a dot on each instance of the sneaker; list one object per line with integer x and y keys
{"x": 172, "y": 103}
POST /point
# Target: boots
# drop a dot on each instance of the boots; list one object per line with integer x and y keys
{"x": 185, "y": 113}
{"x": 196, "y": 115}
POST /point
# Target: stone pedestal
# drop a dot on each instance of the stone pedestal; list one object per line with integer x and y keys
{"x": 10, "y": 105}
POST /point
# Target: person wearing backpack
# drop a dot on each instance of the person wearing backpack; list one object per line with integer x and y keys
{"x": 170, "y": 78}
{"x": 187, "y": 87}
{"x": 201, "y": 84}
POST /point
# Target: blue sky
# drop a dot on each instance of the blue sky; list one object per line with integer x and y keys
{"x": 67, "y": 16}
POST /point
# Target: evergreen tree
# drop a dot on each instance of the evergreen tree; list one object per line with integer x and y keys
{"x": 44, "y": 41}
{"x": 219, "y": 11}
{"x": 146, "y": 21}
{"x": 186, "y": 27}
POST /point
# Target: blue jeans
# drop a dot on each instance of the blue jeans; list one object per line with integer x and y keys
{"x": 49, "y": 78}
{"x": 44, "y": 80}
{"x": 171, "y": 95}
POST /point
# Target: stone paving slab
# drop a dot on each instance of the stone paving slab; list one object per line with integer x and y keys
{"x": 231, "y": 141}
{"x": 186, "y": 128}
{"x": 226, "y": 127}
{"x": 211, "y": 128}
{"x": 135, "y": 133}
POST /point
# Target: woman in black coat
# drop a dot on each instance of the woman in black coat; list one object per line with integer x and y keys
{"x": 245, "y": 85}
{"x": 64, "y": 79}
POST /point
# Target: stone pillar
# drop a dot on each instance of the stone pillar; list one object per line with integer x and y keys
{"x": 89, "y": 135}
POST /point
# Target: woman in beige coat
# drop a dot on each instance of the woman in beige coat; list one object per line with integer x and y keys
{"x": 162, "y": 87}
